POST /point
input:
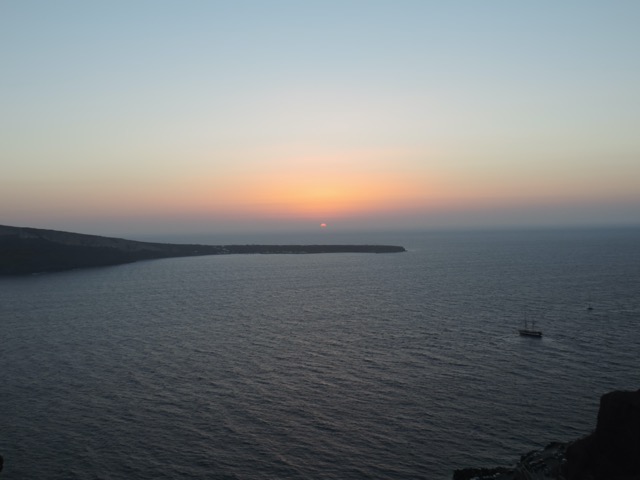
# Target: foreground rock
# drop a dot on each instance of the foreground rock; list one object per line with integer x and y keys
{"x": 611, "y": 452}
{"x": 547, "y": 463}
{"x": 33, "y": 250}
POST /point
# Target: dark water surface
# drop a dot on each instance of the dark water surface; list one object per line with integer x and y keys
{"x": 336, "y": 366}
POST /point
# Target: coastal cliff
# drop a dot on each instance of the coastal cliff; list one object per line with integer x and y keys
{"x": 611, "y": 452}
{"x": 33, "y": 250}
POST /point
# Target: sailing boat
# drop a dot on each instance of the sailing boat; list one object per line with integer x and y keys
{"x": 530, "y": 332}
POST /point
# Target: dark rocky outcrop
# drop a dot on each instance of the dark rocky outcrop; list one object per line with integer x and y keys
{"x": 611, "y": 452}
{"x": 473, "y": 473}
{"x": 33, "y": 250}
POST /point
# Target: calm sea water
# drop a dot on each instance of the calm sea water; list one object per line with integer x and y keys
{"x": 337, "y": 366}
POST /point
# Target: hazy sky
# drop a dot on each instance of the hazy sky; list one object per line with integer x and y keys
{"x": 126, "y": 117}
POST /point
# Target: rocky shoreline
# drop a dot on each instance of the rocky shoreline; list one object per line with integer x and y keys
{"x": 610, "y": 452}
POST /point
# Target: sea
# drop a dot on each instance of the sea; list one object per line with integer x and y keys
{"x": 325, "y": 366}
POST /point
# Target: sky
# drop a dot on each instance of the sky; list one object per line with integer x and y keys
{"x": 131, "y": 117}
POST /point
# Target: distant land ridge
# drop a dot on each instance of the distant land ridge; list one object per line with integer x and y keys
{"x": 26, "y": 250}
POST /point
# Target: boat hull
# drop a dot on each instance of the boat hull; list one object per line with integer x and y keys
{"x": 530, "y": 333}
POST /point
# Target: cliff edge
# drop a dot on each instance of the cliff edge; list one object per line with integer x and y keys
{"x": 611, "y": 452}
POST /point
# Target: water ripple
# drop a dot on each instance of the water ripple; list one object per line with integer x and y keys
{"x": 335, "y": 366}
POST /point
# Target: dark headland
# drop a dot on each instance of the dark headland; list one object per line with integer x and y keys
{"x": 610, "y": 452}
{"x": 33, "y": 250}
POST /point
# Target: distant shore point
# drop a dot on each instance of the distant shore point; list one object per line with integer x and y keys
{"x": 26, "y": 250}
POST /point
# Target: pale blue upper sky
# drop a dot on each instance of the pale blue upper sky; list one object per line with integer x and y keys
{"x": 175, "y": 114}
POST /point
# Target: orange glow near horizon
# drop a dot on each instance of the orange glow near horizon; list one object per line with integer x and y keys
{"x": 323, "y": 195}
{"x": 300, "y": 187}
{"x": 282, "y": 187}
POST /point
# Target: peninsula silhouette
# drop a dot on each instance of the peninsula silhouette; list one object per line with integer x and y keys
{"x": 26, "y": 250}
